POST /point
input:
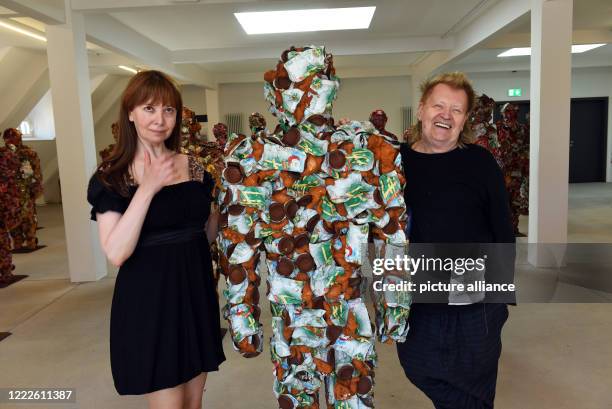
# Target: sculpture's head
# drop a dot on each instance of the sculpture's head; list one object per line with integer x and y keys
{"x": 189, "y": 125}
{"x": 378, "y": 119}
{"x": 257, "y": 122}
{"x": 12, "y": 136}
{"x": 510, "y": 112}
{"x": 483, "y": 111}
{"x": 220, "y": 133}
{"x": 302, "y": 87}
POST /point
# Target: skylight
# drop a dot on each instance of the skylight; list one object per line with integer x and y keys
{"x": 295, "y": 21}
{"x": 576, "y": 49}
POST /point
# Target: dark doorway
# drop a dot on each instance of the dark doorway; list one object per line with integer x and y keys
{"x": 588, "y": 136}
{"x": 588, "y": 128}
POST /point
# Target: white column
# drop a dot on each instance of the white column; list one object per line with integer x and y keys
{"x": 212, "y": 110}
{"x": 550, "y": 89}
{"x": 74, "y": 130}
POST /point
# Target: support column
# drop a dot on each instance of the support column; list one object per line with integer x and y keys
{"x": 550, "y": 89}
{"x": 76, "y": 153}
{"x": 212, "y": 110}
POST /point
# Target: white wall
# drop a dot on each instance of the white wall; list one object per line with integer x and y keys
{"x": 586, "y": 82}
{"x": 357, "y": 98}
{"x": 41, "y": 118}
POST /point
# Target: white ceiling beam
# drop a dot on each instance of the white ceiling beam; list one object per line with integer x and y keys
{"x": 48, "y": 12}
{"x": 110, "y": 6}
{"x": 336, "y": 47}
{"x": 111, "y": 34}
{"x": 488, "y": 23}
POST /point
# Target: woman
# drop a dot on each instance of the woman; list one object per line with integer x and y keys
{"x": 456, "y": 194}
{"x": 152, "y": 206}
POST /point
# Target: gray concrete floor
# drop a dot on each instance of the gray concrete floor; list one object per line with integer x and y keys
{"x": 555, "y": 355}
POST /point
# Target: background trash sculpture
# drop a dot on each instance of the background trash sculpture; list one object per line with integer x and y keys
{"x": 485, "y": 132}
{"x": 378, "y": 118}
{"x": 29, "y": 180}
{"x": 220, "y": 134}
{"x": 513, "y": 138}
{"x": 10, "y": 209}
{"x": 105, "y": 153}
{"x": 309, "y": 194}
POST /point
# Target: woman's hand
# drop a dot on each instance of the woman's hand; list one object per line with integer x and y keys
{"x": 158, "y": 172}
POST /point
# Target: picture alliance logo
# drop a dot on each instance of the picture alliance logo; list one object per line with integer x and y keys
{"x": 413, "y": 265}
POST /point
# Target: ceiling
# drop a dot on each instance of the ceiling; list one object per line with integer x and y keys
{"x": 206, "y": 35}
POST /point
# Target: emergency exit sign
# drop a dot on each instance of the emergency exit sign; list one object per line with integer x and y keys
{"x": 515, "y": 92}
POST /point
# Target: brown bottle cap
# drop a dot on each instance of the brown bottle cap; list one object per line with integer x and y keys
{"x": 222, "y": 220}
{"x": 337, "y": 159}
{"x": 285, "y": 266}
{"x": 286, "y": 245}
{"x": 291, "y": 208}
{"x": 378, "y": 197}
{"x": 317, "y": 120}
{"x": 233, "y": 174}
{"x": 237, "y": 274}
{"x": 391, "y": 227}
{"x": 282, "y": 83}
{"x": 364, "y": 386}
{"x": 302, "y": 240}
{"x": 251, "y": 240}
{"x": 305, "y": 262}
{"x": 277, "y": 212}
{"x": 345, "y": 372}
{"x": 304, "y": 200}
{"x": 333, "y": 332}
{"x": 312, "y": 223}
{"x": 291, "y": 137}
{"x": 235, "y": 210}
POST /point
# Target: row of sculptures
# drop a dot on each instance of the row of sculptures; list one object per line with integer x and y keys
{"x": 508, "y": 140}
{"x": 21, "y": 183}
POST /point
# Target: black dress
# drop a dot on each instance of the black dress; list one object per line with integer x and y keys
{"x": 165, "y": 327}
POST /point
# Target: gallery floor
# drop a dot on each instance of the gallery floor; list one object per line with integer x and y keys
{"x": 555, "y": 356}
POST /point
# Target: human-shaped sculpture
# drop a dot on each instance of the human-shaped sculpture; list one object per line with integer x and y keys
{"x": 379, "y": 120}
{"x": 10, "y": 209}
{"x": 310, "y": 194}
{"x": 106, "y": 152}
{"x": 29, "y": 180}
{"x": 485, "y": 132}
{"x": 220, "y": 134}
{"x": 513, "y": 138}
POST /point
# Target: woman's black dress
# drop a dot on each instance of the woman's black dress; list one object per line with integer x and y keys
{"x": 164, "y": 326}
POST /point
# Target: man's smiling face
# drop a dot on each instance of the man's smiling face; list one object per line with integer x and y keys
{"x": 443, "y": 115}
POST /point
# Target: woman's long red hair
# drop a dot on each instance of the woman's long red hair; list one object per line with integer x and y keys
{"x": 146, "y": 87}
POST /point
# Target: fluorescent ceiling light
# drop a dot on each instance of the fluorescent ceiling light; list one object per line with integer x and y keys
{"x": 576, "y": 49}
{"x": 130, "y": 69}
{"x": 294, "y": 21}
{"x": 22, "y": 31}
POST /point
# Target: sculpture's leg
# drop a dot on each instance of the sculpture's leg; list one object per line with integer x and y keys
{"x": 6, "y": 265}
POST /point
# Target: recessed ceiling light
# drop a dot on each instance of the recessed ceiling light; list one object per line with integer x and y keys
{"x": 22, "y": 31}
{"x": 130, "y": 69}
{"x": 294, "y": 21}
{"x": 576, "y": 49}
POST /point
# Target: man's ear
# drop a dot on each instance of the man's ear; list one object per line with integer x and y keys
{"x": 420, "y": 111}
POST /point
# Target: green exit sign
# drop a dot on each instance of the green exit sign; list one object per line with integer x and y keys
{"x": 515, "y": 92}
